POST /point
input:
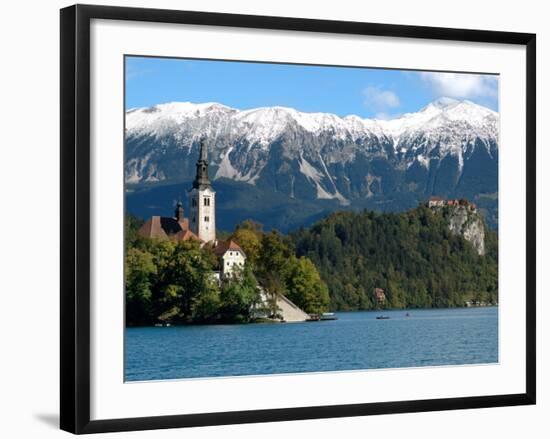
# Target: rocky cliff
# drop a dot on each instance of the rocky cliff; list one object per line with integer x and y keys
{"x": 465, "y": 221}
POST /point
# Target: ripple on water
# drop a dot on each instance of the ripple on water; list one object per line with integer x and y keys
{"x": 355, "y": 341}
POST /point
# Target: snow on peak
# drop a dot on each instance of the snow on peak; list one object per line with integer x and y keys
{"x": 444, "y": 126}
{"x": 188, "y": 120}
{"x": 441, "y": 103}
{"x": 443, "y": 113}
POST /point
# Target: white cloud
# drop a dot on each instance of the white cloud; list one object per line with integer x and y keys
{"x": 461, "y": 85}
{"x": 380, "y": 100}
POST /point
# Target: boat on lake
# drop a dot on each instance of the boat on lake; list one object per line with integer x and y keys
{"x": 328, "y": 316}
{"x": 322, "y": 317}
{"x": 382, "y": 317}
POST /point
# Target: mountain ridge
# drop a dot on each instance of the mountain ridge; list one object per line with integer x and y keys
{"x": 269, "y": 120}
{"x": 448, "y": 148}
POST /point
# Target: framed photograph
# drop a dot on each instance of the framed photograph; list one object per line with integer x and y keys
{"x": 268, "y": 219}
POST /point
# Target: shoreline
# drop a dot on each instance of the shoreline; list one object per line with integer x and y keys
{"x": 267, "y": 321}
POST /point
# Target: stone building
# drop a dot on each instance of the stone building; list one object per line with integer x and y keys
{"x": 231, "y": 257}
{"x": 202, "y": 201}
{"x": 175, "y": 228}
{"x": 436, "y": 202}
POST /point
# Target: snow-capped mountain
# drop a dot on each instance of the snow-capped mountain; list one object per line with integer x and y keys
{"x": 447, "y": 148}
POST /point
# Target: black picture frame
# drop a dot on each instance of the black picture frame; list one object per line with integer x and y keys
{"x": 75, "y": 217}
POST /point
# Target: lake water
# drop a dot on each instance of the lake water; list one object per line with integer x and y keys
{"x": 357, "y": 340}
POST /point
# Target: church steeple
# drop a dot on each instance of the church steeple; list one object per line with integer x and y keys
{"x": 179, "y": 214}
{"x": 203, "y": 152}
{"x": 202, "y": 201}
{"x": 201, "y": 178}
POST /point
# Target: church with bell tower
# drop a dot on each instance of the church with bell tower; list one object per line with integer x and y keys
{"x": 202, "y": 201}
{"x": 201, "y": 224}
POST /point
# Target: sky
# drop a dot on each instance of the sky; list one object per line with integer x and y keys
{"x": 365, "y": 92}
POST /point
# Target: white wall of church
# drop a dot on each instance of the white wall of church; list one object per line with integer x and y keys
{"x": 231, "y": 260}
{"x": 203, "y": 214}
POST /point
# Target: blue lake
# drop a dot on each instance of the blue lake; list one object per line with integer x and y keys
{"x": 357, "y": 340}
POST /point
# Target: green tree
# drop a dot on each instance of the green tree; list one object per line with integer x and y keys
{"x": 273, "y": 287}
{"x": 131, "y": 227}
{"x": 305, "y": 287}
{"x": 239, "y": 293}
{"x": 139, "y": 269}
{"x": 274, "y": 254}
{"x": 250, "y": 240}
{"x": 189, "y": 273}
{"x": 206, "y": 305}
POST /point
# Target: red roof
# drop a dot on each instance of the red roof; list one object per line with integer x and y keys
{"x": 224, "y": 246}
{"x": 167, "y": 228}
{"x": 186, "y": 235}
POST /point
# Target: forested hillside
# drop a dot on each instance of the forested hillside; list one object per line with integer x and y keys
{"x": 336, "y": 264}
{"x": 412, "y": 255}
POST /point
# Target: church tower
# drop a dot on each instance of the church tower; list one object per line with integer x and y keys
{"x": 178, "y": 213}
{"x": 202, "y": 201}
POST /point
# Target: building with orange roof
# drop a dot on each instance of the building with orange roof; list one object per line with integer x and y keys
{"x": 436, "y": 201}
{"x": 231, "y": 257}
{"x": 175, "y": 228}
